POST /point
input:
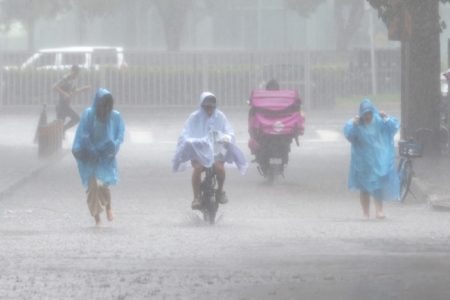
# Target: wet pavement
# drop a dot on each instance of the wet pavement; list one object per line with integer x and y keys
{"x": 302, "y": 238}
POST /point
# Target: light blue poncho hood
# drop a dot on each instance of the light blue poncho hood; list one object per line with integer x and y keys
{"x": 193, "y": 143}
{"x": 96, "y": 144}
{"x": 372, "y": 165}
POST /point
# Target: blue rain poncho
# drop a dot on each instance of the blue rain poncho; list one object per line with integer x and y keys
{"x": 96, "y": 144}
{"x": 194, "y": 144}
{"x": 372, "y": 165}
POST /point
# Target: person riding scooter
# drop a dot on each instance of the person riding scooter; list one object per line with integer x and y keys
{"x": 275, "y": 120}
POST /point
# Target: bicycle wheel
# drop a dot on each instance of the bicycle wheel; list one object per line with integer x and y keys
{"x": 209, "y": 208}
{"x": 212, "y": 209}
{"x": 209, "y": 212}
{"x": 405, "y": 173}
{"x": 271, "y": 174}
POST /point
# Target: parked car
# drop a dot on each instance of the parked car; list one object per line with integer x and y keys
{"x": 85, "y": 57}
{"x": 25, "y": 83}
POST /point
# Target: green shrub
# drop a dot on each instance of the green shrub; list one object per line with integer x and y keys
{"x": 356, "y": 99}
{"x": 329, "y": 72}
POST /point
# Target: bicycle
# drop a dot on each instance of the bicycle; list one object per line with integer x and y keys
{"x": 208, "y": 200}
{"x": 408, "y": 150}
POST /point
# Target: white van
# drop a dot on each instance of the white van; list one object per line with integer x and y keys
{"x": 85, "y": 57}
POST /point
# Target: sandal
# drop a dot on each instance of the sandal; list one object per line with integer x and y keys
{"x": 196, "y": 205}
{"x": 221, "y": 197}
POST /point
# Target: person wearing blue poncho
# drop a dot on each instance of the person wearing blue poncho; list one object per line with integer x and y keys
{"x": 96, "y": 144}
{"x": 194, "y": 146}
{"x": 372, "y": 165}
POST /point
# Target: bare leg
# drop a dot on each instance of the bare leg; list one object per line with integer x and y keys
{"x": 98, "y": 222}
{"x": 365, "y": 203}
{"x": 109, "y": 213}
{"x": 104, "y": 197}
{"x": 220, "y": 175}
{"x": 379, "y": 210}
{"x": 196, "y": 178}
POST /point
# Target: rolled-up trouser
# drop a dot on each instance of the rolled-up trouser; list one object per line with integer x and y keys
{"x": 98, "y": 195}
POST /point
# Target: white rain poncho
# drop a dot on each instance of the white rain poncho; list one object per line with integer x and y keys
{"x": 96, "y": 144}
{"x": 194, "y": 144}
{"x": 372, "y": 165}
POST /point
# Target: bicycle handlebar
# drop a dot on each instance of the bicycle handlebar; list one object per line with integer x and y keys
{"x": 424, "y": 129}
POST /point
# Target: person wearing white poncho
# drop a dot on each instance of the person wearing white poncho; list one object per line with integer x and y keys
{"x": 194, "y": 146}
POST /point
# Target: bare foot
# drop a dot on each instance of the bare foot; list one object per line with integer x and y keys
{"x": 366, "y": 218}
{"x": 380, "y": 216}
{"x": 109, "y": 215}
{"x": 98, "y": 222}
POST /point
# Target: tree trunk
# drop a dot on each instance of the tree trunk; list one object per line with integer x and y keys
{"x": 131, "y": 23}
{"x": 173, "y": 30}
{"x": 346, "y": 27}
{"x": 31, "y": 34}
{"x": 174, "y": 18}
{"x": 82, "y": 28}
{"x": 422, "y": 109}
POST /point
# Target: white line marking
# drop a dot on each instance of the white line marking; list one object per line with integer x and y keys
{"x": 141, "y": 137}
{"x": 329, "y": 135}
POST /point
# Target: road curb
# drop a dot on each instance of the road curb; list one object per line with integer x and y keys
{"x": 439, "y": 203}
{"x": 8, "y": 191}
{"x": 434, "y": 201}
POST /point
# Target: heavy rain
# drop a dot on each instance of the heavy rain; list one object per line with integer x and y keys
{"x": 240, "y": 149}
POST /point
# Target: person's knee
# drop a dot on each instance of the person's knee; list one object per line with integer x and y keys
{"x": 219, "y": 168}
{"x": 364, "y": 194}
{"x": 198, "y": 168}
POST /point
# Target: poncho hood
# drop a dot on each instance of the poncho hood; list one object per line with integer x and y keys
{"x": 366, "y": 106}
{"x": 100, "y": 93}
{"x": 201, "y": 100}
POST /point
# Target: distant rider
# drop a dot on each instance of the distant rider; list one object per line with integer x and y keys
{"x": 272, "y": 85}
{"x": 66, "y": 88}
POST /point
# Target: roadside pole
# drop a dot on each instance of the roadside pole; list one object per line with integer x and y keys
{"x": 368, "y": 8}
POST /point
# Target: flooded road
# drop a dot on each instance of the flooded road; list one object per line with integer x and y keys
{"x": 302, "y": 238}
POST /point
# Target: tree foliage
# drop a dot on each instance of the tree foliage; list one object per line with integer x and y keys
{"x": 348, "y": 15}
{"x": 304, "y": 7}
{"x": 388, "y": 9}
{"x": 174, "y": 16}
{"x": 97, "y": 8}
{"x": 28, "y": 12}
